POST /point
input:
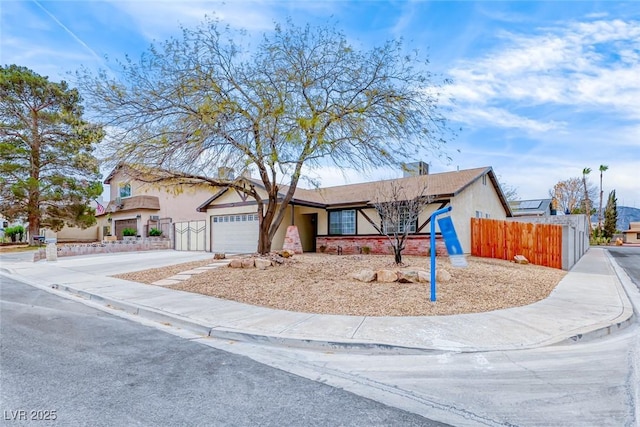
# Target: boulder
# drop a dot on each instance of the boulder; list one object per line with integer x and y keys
{"x": 365, "y": 275}
{"x": 408, "y": 276}
{"x": 521, "y": 259}
{"x": 424, "y": 276}
{"x": 386, "y": 276}
{"x": 442, "y": 275}
{"x": 262, "y": 264}
{"x": 219, "y": 256}
{"x": 248, "y": 263}
{"x": 287, "y": 253}
{"x": 235, "y": 263}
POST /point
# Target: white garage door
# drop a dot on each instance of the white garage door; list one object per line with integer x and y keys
{"x": 234, "y": 233}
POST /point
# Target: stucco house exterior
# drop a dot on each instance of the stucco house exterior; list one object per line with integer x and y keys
{"x": 632, "y": 235}
{"x": 143, "y": 206}
{"x": 342, "y": 216}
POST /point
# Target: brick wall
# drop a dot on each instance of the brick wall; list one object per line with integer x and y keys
{"x": 414, "y": 245}
{"x": 65, "y": 250}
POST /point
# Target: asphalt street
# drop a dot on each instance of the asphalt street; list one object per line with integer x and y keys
{"x": 629, "y": 259}
{"x": 64, "y": 363}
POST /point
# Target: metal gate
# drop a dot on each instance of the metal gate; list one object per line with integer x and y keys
{"x": 189, "y": 236}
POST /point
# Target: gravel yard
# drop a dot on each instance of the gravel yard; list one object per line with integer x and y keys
{"x": 320, "y": 283}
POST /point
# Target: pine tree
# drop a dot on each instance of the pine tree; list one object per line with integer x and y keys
{"x": 48, "y": 173}
{"x": 611, "y": 215}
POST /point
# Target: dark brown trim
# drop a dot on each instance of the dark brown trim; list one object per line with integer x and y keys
{"x": 340, "y": 210}
{"x": 243, "y": 196}
{"x": 203, "y": 207}
{"x": 442, "y": 205}
{"x": 233, "y": 205}
{"x": 368, "y": 219}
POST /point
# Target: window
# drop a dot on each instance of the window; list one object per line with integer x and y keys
{"x": 398, "y": 225}
{"x": 478, "y": 214}
{"x": 125, "y": 190}
{"x": 484, "y": 179}
{"x": 342, "y": 222}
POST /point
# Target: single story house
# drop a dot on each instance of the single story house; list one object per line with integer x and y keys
{"x": 632, "y": 235}
{"x": 343, "y": 215}
{"x": 143, "y": 206}
{"x": 528, "y": 208}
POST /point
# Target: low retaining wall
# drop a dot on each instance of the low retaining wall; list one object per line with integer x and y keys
{"x": 65, "y": 250}
{"x": 379, "y": 245}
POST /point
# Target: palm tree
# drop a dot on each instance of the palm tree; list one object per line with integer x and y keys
{"x": 603, "y": 168}
{"x": 587, "y": 208}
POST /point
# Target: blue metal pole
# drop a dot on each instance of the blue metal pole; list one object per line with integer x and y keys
{"x": 433, "y": 249}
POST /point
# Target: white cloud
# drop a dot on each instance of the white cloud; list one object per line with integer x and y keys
{"x": 480, "y": 117}
{"x": 588, "y": 65}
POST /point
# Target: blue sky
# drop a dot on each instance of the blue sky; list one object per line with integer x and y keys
{"x": 541, "y": 89}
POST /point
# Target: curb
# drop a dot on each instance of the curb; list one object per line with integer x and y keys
{"x": 623, "y": 282}
{"x": 626, "y": 290}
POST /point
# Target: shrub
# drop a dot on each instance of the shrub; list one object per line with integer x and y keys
{"x": 15, "y": 233}
{"x": 322, "y": 248}
{"x": 129, "y": 232}
{"x": 366, "y": 250}
{"x": 154, "y": 232}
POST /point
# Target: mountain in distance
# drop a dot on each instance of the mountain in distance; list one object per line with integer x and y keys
{"x": 625, "y": 216}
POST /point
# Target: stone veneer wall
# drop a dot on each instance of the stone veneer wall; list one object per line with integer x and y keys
{"x": 380, "y": 245}
{"x": 106, "y": 247}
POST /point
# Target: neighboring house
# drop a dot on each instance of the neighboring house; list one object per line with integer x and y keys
{"x": 343, "y": 216}
{"x": 632, "y": 235}
{"x": 5, "y": 223}
{"x": 143, "y": 206}
{"x": 75, "y": 234}
{"x": 537, "y": 207}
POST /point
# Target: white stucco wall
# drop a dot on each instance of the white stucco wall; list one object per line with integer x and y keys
{"x": 478, "y": 197}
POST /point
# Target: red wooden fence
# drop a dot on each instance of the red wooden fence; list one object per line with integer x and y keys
{"x": 540, "y": 243}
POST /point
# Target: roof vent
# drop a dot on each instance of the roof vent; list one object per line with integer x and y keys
{"x": 415, "y": 169}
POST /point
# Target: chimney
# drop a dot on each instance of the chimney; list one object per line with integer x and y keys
{"x": 225, "y": 172}
{"x": 415, "y": 169}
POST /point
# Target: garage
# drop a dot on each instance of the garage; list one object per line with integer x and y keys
{"x": 236, "y": 233}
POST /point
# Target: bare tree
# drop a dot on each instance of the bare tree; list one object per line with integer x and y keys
{"x": 569, "y": 197}
{"x": 302, "y": 96}
{"x": 399, "y": 208}
{"x": 510, "y": 191}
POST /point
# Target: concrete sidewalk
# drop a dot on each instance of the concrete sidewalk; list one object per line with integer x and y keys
{"x": 589, "y": 302}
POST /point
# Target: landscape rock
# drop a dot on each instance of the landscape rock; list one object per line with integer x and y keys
{"x": 386, "y": 276}
{"x": 520, "y": 259}
{"x": 286, "y": 253}
{"x": 442, "y": 275}
{"x": 277, "y": 259}
{"x": 365, "y": 275}
{"x": 235, "y": 263}
{"x": 248, "y": 263}
{"x": 262, "y": 264}
{"x": 408, "y": 276}
{"x": 219, "y": 256}
{"x": 424, "y": 276}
